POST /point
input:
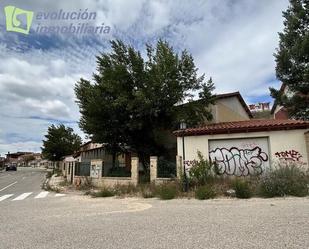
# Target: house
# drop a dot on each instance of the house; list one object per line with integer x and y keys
{"x": 260, "y": 107}
{"x": 243, "y": 148}
{"x": 79, "y": 164}
{"x": 230, "y": 107}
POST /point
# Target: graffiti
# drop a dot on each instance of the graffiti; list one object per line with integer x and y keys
{"x": 291, "y": 155}
{"x": 239, "y": 162}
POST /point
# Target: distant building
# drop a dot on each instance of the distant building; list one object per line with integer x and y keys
{"x": 24, "y": 159}
{"x": 260, "y": 107}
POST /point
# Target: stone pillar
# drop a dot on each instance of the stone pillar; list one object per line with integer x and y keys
{"x": 153, "y": 168}
{"x": 179, "y": 166}
{"x": 134, "y": 170}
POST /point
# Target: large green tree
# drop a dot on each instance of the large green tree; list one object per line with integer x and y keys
{"x": 292, "y": 58}
{"x": 60, "y": 141}
{"x": 132, "y": 99}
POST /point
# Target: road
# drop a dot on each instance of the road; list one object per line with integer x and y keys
{"x": 76, "y": 221}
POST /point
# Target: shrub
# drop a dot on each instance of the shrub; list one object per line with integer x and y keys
{"x": 105, "y": 192}
{"x": 202, "y": 172}
{"x": 205, "y": 192}
{"x": 242, "y": 189}
{"x": 284, "y": 180}
{"x": 167, "y": 191}
{"x": 125, "y": 189}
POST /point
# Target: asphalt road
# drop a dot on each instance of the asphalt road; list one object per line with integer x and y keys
{"x": 22, "y": 180}
{"x": 75, "y": 221}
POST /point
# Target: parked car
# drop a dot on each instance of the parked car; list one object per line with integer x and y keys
{"x": 11, "y": 167}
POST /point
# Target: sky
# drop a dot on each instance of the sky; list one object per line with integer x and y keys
{"x": 232, "y": 41}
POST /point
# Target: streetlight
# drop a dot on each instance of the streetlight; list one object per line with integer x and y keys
{"x": 183, "y": 126}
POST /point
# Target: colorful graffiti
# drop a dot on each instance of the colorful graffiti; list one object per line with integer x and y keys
{"x": 289, "y": 155}
{"x": 239, "y": 162}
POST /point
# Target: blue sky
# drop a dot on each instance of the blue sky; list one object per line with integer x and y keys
{"x": 232, "y": 41}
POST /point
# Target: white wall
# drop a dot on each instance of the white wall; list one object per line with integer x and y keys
{"x": 279, "y": 141}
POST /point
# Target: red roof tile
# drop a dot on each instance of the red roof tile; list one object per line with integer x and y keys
{"x": 244, "y": 126}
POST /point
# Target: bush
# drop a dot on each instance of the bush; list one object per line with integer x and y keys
{"x": 205, "y": 192}
{"x": 167, "y": 192}
{"x": 202, "y": 172}
{"x": 242, "y": 189}
{"x": 284, "y": 180}
{"x": 125, "y": 189}
{"x": 105, "y": 192}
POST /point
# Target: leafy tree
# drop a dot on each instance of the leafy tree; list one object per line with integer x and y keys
{"x": 292, "y": 58}
{"x": 60, "y": 141}
{"x": 132, "y": 100}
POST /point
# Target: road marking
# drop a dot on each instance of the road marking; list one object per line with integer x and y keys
{"x": 2, "y": 198}
{"x": 59, "y": 195}
{"x": 42, "y": 195}
{"x": 22, "y": 196}
{"x": 8, "y": 186}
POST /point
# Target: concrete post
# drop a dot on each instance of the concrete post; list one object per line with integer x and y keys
{"x": 179, "y": 167}
{"x": 134, "y": 170}
{"x": 153, "y": 168}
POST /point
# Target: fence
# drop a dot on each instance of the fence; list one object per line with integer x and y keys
{"x": 82, "y": 169}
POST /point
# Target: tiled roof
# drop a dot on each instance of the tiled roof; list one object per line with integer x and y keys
{"x": 244, "y": 126}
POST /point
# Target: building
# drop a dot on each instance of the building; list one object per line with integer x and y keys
{"x": 243, "y": 148}
{"x": 79, "y": 164}
{"x": 260, "y": 107}
{"x": 229, "y": 107}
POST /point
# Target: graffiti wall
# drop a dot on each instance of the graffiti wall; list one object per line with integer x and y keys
{"x": 240, "y": 157}
{"x": 290, "y": 156}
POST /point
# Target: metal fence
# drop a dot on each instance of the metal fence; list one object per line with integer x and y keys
{"x": 82, "y": 169}
{"x": 166, "y": 168}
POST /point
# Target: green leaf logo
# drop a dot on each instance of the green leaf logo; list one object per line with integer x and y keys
{"x": 13, "y": 22}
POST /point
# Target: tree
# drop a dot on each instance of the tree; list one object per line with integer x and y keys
{"x": 60, "y": 141}
{"x": 292, "y": 58}
{"x": 133, "y": 99}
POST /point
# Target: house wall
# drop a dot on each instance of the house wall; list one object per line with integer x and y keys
{"x": 287, "y": 146}
{"x": 281, "y": 114}
{"x": 229, "y": 109}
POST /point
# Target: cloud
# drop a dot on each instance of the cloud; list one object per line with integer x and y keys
{"x": 232, "y": 41}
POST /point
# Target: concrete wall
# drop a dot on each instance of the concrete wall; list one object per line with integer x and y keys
{"x": 288, "y": 145}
